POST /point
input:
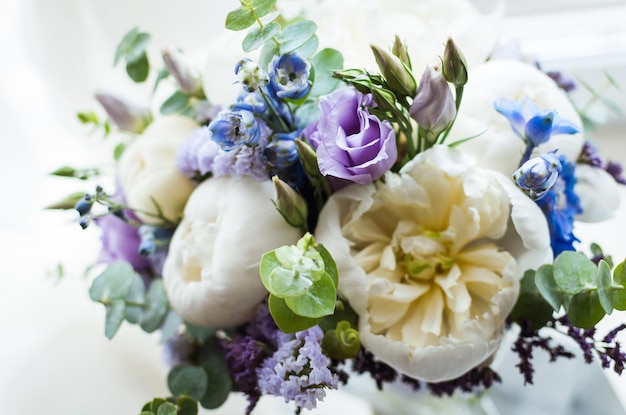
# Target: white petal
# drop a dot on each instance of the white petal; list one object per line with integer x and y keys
{"x": 598, "y": 192}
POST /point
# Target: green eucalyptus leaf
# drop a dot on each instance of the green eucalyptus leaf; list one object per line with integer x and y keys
{"x": 200, "y": 334}
{"x": 240, "y": 19}
{"x": 308, "y": 48}
{"x": 187, "y": 406}
{"x": 619, "y": 291}
{"x": 132, "y": 46}
{"x": 170, "y": 325}
{"x": 257, "y": 37}
{"x": 268, "y": 51}
{"x": 544, "y": 280}
{"x": 115, "y": 312}
{"x": 175, "y": 103}
{"x": 531, "y": 305}
{"x": 329, "y": 263}
{"x": 286, "y": 283}
{"x": 605, "y": 286}
{"x": 135, "y": 300}
{"x": 88, "y": 118}
{"x": 118, "y": 150}
{"x": 343, "y": 312}
{"x": 114, "y": 283}
{"x": 188, "y": 380}
{"x": 585, "y": 310}
{"x": 219, "y": 381}
{"x": 146, "y": 413}
{"x": 319, "y": 300}
{"x": 138, "y": 69}
{"x": 295, "y": 35}
{"x": 156, "y": 404}
{"x": 287, "y": 320}
{"x": 69, "y": 202}
{"x": 574, "y": 272}
{"x": 326, "y": 62}
{"x": 262, "y": 7}
{"x": 167, "y": 409}
{"x": 155, "y": 307}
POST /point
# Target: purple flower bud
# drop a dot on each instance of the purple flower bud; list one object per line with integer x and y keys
{"x": 433, "y": 106}
{"x": 127, "y": 114}
{"x": 186, "y": 75}
{"x": 538, "y": 175}
{"x": 290, "y": 76}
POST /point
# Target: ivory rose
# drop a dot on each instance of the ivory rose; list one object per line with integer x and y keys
{"x": 211, "y": 273}
{"x": 496, "y": 145}
{"x": 148, "y": 174}
{"x": 431, "y": 258}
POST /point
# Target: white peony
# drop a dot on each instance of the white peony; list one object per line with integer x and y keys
{"x": 496, "y": 145}
{"x": 598, "y": 192}
{"x": 148, "y": 174}
{"x": 431, "y": 259}
{"x": 350, "y": 26}
{"x": 211, "y": 273}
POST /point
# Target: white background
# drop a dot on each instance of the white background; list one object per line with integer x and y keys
{"x": 54, "y": 358}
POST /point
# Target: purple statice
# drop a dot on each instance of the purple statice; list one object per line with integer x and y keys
{"x": 243, "y": 356}
{"x": 195, "y": 155}
{"x": 262, "y": 327}
{"x": 298, "y": 371}
{"x": 560, "y": 205}
{"x": 616, "y": 171}
{"x": 589, "y": 155}
{"x": 477, "y": 378}
{"x": 563, "y": 82}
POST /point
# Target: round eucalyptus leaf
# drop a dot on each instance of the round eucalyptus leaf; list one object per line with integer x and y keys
{"x": 187, "y": 380}
{"x": 585, "y": 310}
{"x": 574, "y": 272}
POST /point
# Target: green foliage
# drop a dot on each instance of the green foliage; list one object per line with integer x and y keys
{"x": 248, "y": 14}
{"x": 188, "y": 380}
{"x": 176, "y": 103}
{"x": 342, "y": 342}
{"x": 295, "y": 35}
{"x": 257, "y": 37}
{"x": 68, "y": 202}
{"x": 587, "y": 292}
{"x": 171, "y": 406}
{"x": 302, "y": 281}
{"x": 132, "y": 49}
{"x": 326, "y": 62}
{"x": 531, "y": 306}
{"x": 81, "y": 174}
{"x": 219, "y": 382}
{"x": 121, "y": 290}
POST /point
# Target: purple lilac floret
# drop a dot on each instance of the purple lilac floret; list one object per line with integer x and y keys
{"x": 199, "y": 156}
{"x": 560, "y": 205}
{"x": 298, "y": 371}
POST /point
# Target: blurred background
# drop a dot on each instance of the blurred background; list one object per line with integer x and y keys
{"x": 54, "y": 357}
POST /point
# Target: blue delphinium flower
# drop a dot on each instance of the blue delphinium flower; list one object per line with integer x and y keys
{"x": 537, "y": 175}
{"x": 253, "y": 102}
{"x": 532, "y": 124}
{"x": 560, "y": 205}
{"x": 298, "y": 370}
{"x": 250, "y": 75}
{"x": 289, "y": 76}
{"x": 281, "y": 152}
{"x": 234, "y": 128}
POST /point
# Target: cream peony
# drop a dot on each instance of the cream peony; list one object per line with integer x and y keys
{"x": 431, "y": 258}
{"x": 211, "y": 273}
{"x": 350, "y": 26}
{"x": 147, "y": 170}
{"x": 497, "y": 147}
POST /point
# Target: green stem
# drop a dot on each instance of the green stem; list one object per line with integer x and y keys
{"x": 457, "y": 103}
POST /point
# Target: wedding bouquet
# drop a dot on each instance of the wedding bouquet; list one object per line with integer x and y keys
{"x": 333, "y": 220}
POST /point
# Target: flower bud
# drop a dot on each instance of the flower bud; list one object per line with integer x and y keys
{"x": 84, "y": 204}
{"x": 250, "y": 75}
{"x": 538, "y": 175}
{"x": 127, "y": 114}
{"x": 290, "y": 203}
{"x": 400, "y": 50}
{"x": 454, "y": 65}
{"x": 433, "y": 106}
{"x": 290, "y": 76}
{"x": 396, "y": 73}
{"x": 186, "y": 75}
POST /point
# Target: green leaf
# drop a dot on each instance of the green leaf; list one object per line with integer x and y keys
{"x": 268, "y": 51}
{"x": 167, "y": 409}
{"x": 259, "y": 36}
{"x": 341, "y": 342}
{"x": 585, "y": 310}
{"x": 68, "y": 202}
{"x": 118, "y": 150}
{"x": 200, "y": 334}
{"x": 114, "y": 283}
{"x": 175, "y": 103}
{"x": 605, "y": 286}
{"x": 139, "y": 68}
{"x": 295, "y": 35}
{"x": 88, "y": 118}
{"x": 187, "y": 380}
{"x": 219, "y": 381}
{"x": 146, "y": 413}
{"x": 161, "y": 75}
{"x": 170, "y": 325}
{"x": 319, "y": 300}
{"x": 544, "y": 280}
{"x": 136, "y": 298}
{"x": 329, "y": 263}
{"x": 132, "y": 46}
{"x": 287, "y": 320}
{"x": 114, "y": 317}
{"x": 155, "y": 307}
{"x": 531, "y": 305}
{"x": 187, "y": 406}
{"x": 65, "y": 171}
{"x": 326, "y": 62}
{"x": 156, "y": 403}
{"x": 619, "y": 290}
{"x": 573, "y": 272}
{"x": 240, "y": 19}
{"x": 263, "y": 7}
{"x": 308, "y": 48}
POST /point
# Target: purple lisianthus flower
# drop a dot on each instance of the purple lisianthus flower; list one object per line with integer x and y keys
{"x": 352, "y": 144}
{"x": 433, "y": 106}
{"x": 120, "y": 241}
